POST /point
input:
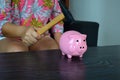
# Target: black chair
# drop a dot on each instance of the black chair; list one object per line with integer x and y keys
{"x": 86, "y": 27}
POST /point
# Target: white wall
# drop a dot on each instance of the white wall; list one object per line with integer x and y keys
{"x": 105, "y": 12}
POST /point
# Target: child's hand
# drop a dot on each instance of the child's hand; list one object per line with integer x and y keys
{"x": 30, "y": 36}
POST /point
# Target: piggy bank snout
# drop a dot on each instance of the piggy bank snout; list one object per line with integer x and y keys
{"x": 82, "y": 47}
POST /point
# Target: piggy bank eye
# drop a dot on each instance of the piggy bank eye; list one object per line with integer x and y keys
{"x": 77, "y": 40}
{"x": 84, "y": 40}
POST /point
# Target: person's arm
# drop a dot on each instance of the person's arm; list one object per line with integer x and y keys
{"x": 8, "y": 29}
{"x": 58, "y": 28}
{"x": 12, "y": 30}
{"x": 27, "y": 34}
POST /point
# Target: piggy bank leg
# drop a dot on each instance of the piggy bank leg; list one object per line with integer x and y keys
{"x": 63, "y": 53}
{"x": 69, "y": 56}
{"x": 81, "y": 56}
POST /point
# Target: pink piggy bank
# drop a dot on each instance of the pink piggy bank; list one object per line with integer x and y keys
{"x": 73, "y": 43}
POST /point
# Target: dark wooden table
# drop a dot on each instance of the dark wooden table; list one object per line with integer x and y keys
{"x": 98, "y": 63}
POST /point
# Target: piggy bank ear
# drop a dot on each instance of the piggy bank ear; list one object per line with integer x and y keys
{"x": 84, "y": 36}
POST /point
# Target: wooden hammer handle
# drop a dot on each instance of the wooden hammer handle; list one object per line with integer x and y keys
{"x": 51, "y": 24}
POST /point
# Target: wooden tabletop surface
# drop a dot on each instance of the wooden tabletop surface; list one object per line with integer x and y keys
{"x": 98, "y": 63}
